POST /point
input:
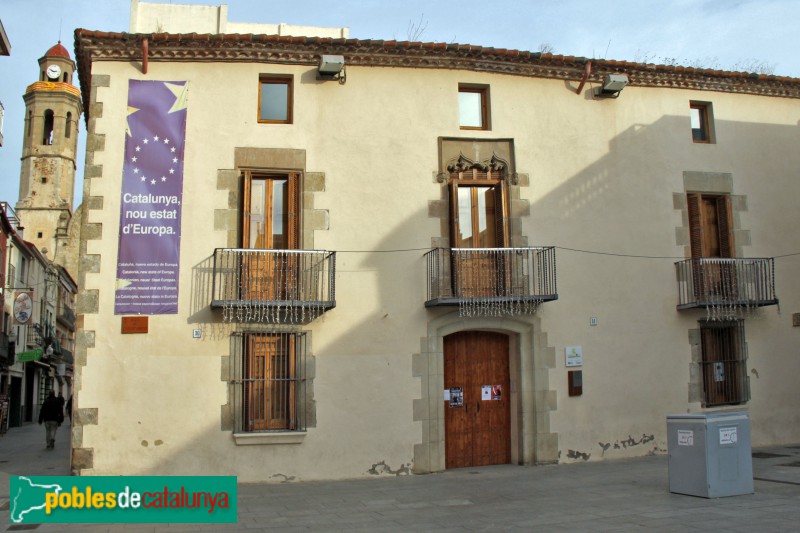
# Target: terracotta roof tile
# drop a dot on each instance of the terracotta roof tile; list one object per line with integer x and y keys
{"x": 57, "y": 50}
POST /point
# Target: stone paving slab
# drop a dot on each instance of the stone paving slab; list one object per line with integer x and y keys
{"x": 619, "y": 495}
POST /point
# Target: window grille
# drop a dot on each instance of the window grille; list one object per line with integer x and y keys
{"x": 724, "y": 365}
{"x": 267, "y": 381}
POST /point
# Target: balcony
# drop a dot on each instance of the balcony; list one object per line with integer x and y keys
{"x": 67, "y": 318}
{"x": 709, "y": 283}
{"x": 273, "y": 286}
{"x": 34, "y": 338}
{"x": 6, "y": 358}
{"x": 491, "y": 281}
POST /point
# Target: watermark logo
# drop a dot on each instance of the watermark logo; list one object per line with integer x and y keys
{"x": 122, "y": 499}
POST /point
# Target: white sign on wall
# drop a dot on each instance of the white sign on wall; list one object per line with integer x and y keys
{"x": 685, "y": 437}
{"x": 574, "y": 355}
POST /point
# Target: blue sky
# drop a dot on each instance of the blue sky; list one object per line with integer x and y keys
{"x": 724, "y": 34}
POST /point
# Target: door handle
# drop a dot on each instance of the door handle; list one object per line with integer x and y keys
{"x": 466, "y": 406}
{"x": 479, "y": 406}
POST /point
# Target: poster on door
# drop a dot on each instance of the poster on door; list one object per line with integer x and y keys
{"x": 456, "y": 397}
{"x": 491, "y": 392}
{"x": 497, "y": 392}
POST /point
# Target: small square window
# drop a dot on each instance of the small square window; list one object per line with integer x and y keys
{"x": 702, "y": 122}
{"x": 275, "y": 100}
{"x": 473, "y": 107}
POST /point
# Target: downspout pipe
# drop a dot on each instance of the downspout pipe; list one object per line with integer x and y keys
{"x": 145, "y": 47}
{"x": 586, "y": 73}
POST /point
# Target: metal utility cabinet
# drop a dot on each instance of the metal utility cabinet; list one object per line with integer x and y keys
{"x": 710, "y": 454}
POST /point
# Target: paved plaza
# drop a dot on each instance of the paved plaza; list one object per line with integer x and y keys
{"x": 614, "y": 495}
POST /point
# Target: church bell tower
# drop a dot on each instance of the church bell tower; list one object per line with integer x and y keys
{"x": 50, "y": 142}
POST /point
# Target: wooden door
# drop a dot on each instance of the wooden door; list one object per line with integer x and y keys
{"x": 269, "y": 223}
{"x": 479, "y": 431}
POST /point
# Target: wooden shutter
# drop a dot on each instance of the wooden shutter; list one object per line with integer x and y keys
{"x": 501, "y": 214}
{"x": 725, "y": 225}
{"x": 695, "y": 201}
{"x": 294, "y": 212}
{"x": 246, "y": 182}
{"x": 255, "y": 393}
{"x": 454, "y": 240}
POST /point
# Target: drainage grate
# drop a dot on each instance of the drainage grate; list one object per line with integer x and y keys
{"x": 767, "y": 455}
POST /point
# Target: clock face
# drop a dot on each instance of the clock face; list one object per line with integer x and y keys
{"x": 53, "y": 71}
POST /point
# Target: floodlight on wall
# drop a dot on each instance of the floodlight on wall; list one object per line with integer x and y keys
{"x": 331, "y": 68}
{"x": 612, "y": 85}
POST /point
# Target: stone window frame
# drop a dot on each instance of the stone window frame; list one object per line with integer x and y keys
{"x": 272, "y": 160}
{"x": 714, "y": 183}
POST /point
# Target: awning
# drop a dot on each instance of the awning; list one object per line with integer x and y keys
{"x": 32, "y": 355}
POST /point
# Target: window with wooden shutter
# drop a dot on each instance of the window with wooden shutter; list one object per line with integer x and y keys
{"x": 724, "y": 365}
{"x": 478, "y": 209}
{"x": 270, "y": 211}
{"x": 478, "y": 226}
{"x": 711, "y": 242}
{"x": 268, "y": 370}
{"x": 270, "y": 221}
{"x": 710, "y": 225}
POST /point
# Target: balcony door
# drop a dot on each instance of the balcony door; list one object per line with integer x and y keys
{"x": 711, "y": 235}
{"x": 270, "y": 222}
{"x": 478, "y": 222}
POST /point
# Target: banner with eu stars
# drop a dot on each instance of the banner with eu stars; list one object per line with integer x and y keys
{"x": 122, "y": 499}
{"x": 152, "y": 196}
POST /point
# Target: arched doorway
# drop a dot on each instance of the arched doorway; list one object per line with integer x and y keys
{"x": 478, "y": 411}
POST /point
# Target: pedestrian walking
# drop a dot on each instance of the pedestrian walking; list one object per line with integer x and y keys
{"x": 52, "y": 414}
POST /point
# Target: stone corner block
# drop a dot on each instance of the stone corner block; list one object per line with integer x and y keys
{"x": 86, "y": 416}
{"x": 88, "y": 302}
{"x": 82, "y": 459}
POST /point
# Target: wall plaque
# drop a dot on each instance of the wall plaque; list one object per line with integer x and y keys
{"x": 134, "y": 324}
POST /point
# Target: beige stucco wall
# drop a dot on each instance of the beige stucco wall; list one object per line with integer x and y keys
{"x": 602, "y": 176}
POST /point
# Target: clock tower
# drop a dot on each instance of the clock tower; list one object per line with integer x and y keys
{"x": 50, "y": 142}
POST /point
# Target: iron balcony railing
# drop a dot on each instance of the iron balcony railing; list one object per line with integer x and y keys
{"x": 34, "y": 338}
{"x": 67, "y": 317}
{"x": 459, "y": 275}
{"x": 275, "y": 286}
{"x": 709, "y": 282}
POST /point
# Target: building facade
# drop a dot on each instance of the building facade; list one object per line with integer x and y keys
{"x": 308, "y": 258}
{"x": 37, "y": 337}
